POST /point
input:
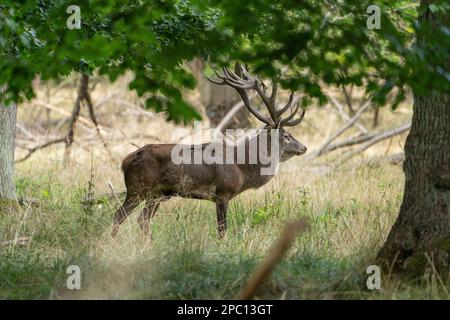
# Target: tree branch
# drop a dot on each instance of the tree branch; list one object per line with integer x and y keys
{"x": 276, "y": 253}
{"x": 42, "y": 146}
{"x": 382, "y": 136}
{"x": 74, "y": 116}
{"x": 342, "y": 130}
{"x": 345, "y": 117}
{"x": 370, "y": 139}
{"x": 87, "y": 98}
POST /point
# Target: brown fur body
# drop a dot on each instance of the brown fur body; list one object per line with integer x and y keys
{"x": 151, "y": 176}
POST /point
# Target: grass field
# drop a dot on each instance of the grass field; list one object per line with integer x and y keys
{"x": 349, "y": 219}
{"x": 350, "y": 212}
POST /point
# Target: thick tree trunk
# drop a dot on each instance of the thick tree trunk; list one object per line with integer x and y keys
{"x": 421, "y": 235}
{"x": 423, "y": 225}
{"x": 7, "y": 136}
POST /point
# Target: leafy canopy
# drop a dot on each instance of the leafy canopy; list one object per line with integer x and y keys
{"x": 321, "y": 42}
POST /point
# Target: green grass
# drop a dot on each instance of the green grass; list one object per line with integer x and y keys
{"x": 350, "y": 213}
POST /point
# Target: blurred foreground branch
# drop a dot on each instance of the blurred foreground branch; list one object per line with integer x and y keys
{"x": 276, "y": 253}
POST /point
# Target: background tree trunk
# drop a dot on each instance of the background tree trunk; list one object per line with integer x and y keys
{"x": 7, "y": 135}
{"x": 423, "y": 225}
{"x": 421, "y": 235}
{"x": 218, "y": 100}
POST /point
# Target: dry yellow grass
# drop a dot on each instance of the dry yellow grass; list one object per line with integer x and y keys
{"x": 350, "y": 210}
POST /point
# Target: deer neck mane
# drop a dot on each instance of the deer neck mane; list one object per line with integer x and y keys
{"x": 256, "y": 169}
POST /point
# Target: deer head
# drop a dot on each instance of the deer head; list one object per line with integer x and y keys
{"x": 242, "y": 81}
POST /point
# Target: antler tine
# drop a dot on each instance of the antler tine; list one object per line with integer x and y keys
{"x": 237, "y": 76}
{"x": 218, "y": 75}
{"x": 293, "y": 113}
{"x": 241, "y": 84}
{"x": 260, "y": 87}
{"x": 273, "y": 95}
{"x": 267, "y": 100}
{"x": 237, "y": 86}
{"x": 215, "y": 81}
{"x": 245, "y": 73}
{"x": 250, "y": 108}
{"x": 230, "y": 74}
{"x": 235, "y": 81}
{"x": 287, "y": 106}
{"x": 242, "y": 80}
{"x": 295, "y": 122}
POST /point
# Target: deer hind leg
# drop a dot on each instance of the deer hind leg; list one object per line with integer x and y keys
{"x": 221, "y": 210}
{"x": 123, "y": 212}
{"x": 147, "y": 213}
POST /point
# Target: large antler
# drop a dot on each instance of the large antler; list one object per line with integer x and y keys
{"x": 242, "y": 81}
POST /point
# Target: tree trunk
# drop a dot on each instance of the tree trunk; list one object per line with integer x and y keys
{"x": 7, "y": 136}
{"x": 420, "y": 237}
{"x": 218, "y": 100}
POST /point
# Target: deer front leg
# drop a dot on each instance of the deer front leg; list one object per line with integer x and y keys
{"x": 147, "y": 213}
{"x": 123, "y": 212}
{"x": 221, "y": 210}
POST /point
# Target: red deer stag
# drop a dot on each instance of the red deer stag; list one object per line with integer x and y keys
{"x": 152, "y": 176}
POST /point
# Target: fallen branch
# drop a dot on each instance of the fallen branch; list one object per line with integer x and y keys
{"x": 341, "y": 130}
{"x": 276, "y": 253}
{"x": 376, "y": 139}
{"x": 370, "y": 139}
{"x": 350, "y": 142}
{"x": 344, "y": 115}
{"x": 362, "y": 139}
{"x": 380, "y": 137}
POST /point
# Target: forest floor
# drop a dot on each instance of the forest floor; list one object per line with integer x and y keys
{"x": 67, "y": 220}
